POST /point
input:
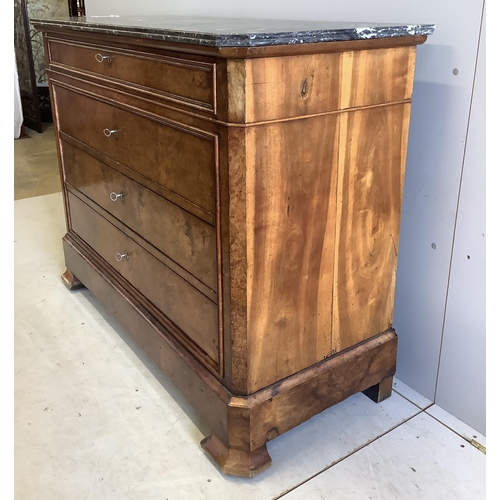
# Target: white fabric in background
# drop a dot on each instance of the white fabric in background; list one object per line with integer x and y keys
{"x": 18, "y": 111}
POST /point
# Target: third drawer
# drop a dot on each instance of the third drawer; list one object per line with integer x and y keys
{"x": 180, "y": 235}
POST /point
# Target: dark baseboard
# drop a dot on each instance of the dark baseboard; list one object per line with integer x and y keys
{"x": 45, "y": 108}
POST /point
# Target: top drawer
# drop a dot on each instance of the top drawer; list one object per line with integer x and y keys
{"x": 285, "y": 87}
{"x": 187, "y": 81}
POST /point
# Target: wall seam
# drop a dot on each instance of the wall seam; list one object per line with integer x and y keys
{"x": 458, "y": 203}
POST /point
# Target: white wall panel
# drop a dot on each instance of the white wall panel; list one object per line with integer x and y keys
{"x": 438, "y": 129}
{"x": 461, "y": 387}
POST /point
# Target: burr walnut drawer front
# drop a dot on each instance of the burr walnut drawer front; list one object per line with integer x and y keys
{"x": 188, "y": 81}
{"x": 180, "y": 235}
{"x": 178, "y": 158}
{"x": 190, "y": 310}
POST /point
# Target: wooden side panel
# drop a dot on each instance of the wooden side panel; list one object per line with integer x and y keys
{"x": 235, "y": 92}
{"x": 291, "y": 187}
{"x": 377, "y": 76}
{"x": 286, "y": 87}
{"x": 283, "y": 87}
{"x": 235, "y": 273}
{"x": 333, "y": 381}
{"x": 372, "y": 155}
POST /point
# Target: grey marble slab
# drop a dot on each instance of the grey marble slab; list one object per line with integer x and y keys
{"x": 222, "y": 32}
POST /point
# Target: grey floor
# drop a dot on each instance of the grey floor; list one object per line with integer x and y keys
{"x": 95, "y": 419}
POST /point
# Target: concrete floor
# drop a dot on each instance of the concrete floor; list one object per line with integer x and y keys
{"x": 95, "y": 419}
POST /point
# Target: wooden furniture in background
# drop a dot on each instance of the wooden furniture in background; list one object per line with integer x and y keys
{"x": 76, "y": 8}
{"x": 238, "y": 210}
{"x": 25, "y": 67}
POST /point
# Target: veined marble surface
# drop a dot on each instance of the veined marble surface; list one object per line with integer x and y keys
{"x": 220, "y": 32}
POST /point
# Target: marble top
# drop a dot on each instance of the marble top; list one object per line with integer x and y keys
{"x": 223, "y": 32}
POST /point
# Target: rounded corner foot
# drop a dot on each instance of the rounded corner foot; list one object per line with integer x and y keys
{"x": 236, "y": 462}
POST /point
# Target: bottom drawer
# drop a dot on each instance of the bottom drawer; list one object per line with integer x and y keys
{"x": 190, "y": 310}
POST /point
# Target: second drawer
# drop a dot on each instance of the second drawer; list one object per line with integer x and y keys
{"x": 189, "y": 309}
{"x": 180, "y": 159}
{"x": 183, "y": 237}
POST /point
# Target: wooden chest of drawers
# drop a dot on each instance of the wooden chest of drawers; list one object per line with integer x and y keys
{"x": 237, "y": 208}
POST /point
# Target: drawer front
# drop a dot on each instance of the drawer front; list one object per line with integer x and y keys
{"x": 184, "y": 80}
{"x": 291, "y": 86}
{"x": 183, "y": 237}
{"x": 189, "y": 309}
{"x": 176, "y": 158}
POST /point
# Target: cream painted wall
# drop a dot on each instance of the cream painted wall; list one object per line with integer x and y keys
{"x": 438, "y": 133}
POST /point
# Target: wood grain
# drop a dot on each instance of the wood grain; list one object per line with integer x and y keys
{"x": 191, "y": 311}
{"x": 174, "y": 78}
{"x": 236, "y": 270}
{"x": 237, "y": 462}
{"x": 140, "y": 179}
{"x": 349, "y": 372}
{"x": 110, "y": 90}
{"x": 286, "y": 87}
{"x": 235, "y": 92}
{"x": 369, "y": 197}
{"x": 291, "y": 186}
{"x": 282, "y": 87}
{"x": 167, "y": 261}
{"x": 376, "y": 76}
{"x": 200, "y": 387}
{"x": 182, "y": 160}
{"x": 183, "y": 237}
